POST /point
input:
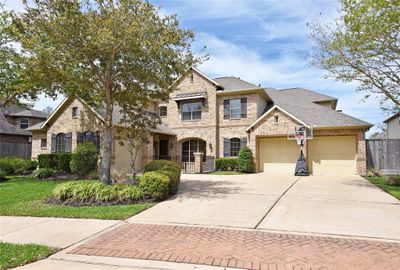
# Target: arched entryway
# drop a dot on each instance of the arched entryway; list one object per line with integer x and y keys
{"x": 192, "y": 146}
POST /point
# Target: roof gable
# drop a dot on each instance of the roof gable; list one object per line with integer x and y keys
{"x": 198, "y": 72}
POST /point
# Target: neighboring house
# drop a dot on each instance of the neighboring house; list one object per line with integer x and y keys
{"x": 219, "y": 116}
{"x": 393, "y": 127}
{"x": 15, "y": 140}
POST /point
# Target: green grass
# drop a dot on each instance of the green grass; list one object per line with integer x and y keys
{"x": 13, "y": 255}
{"x": 380, "y": 181}
{"x": 23, "y": 196}
{"x": 226, "y": 173}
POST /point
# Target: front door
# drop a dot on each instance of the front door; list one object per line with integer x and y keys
{"x": 163, "y": 149}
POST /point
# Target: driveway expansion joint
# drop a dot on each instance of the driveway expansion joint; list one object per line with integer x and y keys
{"x": 276, "y": 202}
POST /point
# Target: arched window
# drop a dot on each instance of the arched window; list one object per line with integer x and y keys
{"x": 235, "y": 146}
{"x": 61, "y": 142}
{"x": 193, "y": 146}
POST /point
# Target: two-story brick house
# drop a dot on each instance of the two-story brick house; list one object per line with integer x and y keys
{"x": 217, "y": 117}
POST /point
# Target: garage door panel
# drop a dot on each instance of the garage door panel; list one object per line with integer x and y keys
{"x": 278, "y": 155}
{"x": 332, "y": 155}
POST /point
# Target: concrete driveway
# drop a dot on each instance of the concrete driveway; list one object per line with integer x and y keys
{"x": 338, "y": 205}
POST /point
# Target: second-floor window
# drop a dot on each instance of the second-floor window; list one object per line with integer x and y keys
{"x": 235, "y": 108}
{"x": 23, "y": 123}
{"x": 75, "y": 112}
{"x": 163, "y": 111}
{"x": 191, "y": 110}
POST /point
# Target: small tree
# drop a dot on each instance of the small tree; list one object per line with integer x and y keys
{"x": 245, "y": 160}
{"x": 363, "y": 46}
{"x": 134, "y": 132}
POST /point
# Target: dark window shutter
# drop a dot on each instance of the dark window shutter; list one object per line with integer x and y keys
{"x": 53, "y": 143}
{"x": 68, "y": 142}
{"x": 226, "y": 109}
{"x": 243, "y": 103}
{"x": 79, "y": 137}
{"x": 227, "y": 147}
{"x": 243, "y": 142}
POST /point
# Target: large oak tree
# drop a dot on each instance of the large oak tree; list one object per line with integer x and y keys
{"x": 109, "y": 52}
{"x": 363, "y": 45}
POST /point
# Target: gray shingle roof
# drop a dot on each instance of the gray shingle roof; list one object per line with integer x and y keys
{"x": 35, "y": 127}
{"x": 308, "y": 94}
{"x": 32, "y": 113}
{"x": 7, "y": 128}
{"x": 235, "y": 84}
{"x": 309, "y": 112}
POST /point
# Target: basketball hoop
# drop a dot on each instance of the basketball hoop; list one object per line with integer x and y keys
{"x": 300, "y": 135}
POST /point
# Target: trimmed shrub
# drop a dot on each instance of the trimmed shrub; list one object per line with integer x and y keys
{"x": 157, "y": 165}
{"x": 17, "y": 165}
{"x": 168, "y": 168}
{"x": 48, "y": 161}
{"x": 226, "y": 164}
{"x": 174, "y": 181}
{"x": 84, "y": 159}
{"x": 155, "y": 185}
{"x": 6, "y": 166}
{"x": 43, "y": 173}
{"x": 245, "y": 160}
{"x": 84, "y": 192}
{"x": 63, "y": 160}
{"x": 3, "y": 176}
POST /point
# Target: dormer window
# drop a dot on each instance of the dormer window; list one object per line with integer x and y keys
{"x": 162, "y": 111}
{"x": 75, "y": 112}
{"x": 23, "y": 123}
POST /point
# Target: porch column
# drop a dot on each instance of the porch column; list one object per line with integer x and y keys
{"x": 198, "y": 162}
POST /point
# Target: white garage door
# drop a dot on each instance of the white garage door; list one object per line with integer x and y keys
{"x": 278, "y": 155}
{"x": 332, "y": 155}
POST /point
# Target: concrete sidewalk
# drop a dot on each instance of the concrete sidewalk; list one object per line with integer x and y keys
{"x": 53, "y": 232}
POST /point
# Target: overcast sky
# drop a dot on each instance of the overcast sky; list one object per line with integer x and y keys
{"x": 263, "y": 42}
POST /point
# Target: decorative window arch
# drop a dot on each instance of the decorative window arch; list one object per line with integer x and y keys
{"x": 61, "y": 139}
{"x": 192, "y": 146}
{"x": 235, "y": 146}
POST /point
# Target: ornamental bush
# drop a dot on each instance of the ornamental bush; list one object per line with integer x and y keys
{"x": 155, "y": 185}
{"x": 3, "y": 176}
{"x": 168, "y": 168}
{"x": 226, "y": 164}
{"x": 43, "y": 173}
{"x": 245, "y": 160}
{"x": 17, "y": 165}
{"x": 84, "y": 159}
{"x": 63, "y": 161}
{"x": 88, "y": 192}
{"x": 48, "y": 161}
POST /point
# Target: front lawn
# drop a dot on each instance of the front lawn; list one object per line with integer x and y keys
{"x": 380, "y": 181}
{"x": 13, "y": 255}
{"x": 23, "y": 196}
{"x": 226, "y": 173}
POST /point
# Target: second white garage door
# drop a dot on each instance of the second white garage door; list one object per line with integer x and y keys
{"x": 332, "y": 155}
{"x": 278, "y": 155}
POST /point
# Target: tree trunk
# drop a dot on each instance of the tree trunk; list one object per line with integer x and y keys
{"x": 105, "y": 176}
